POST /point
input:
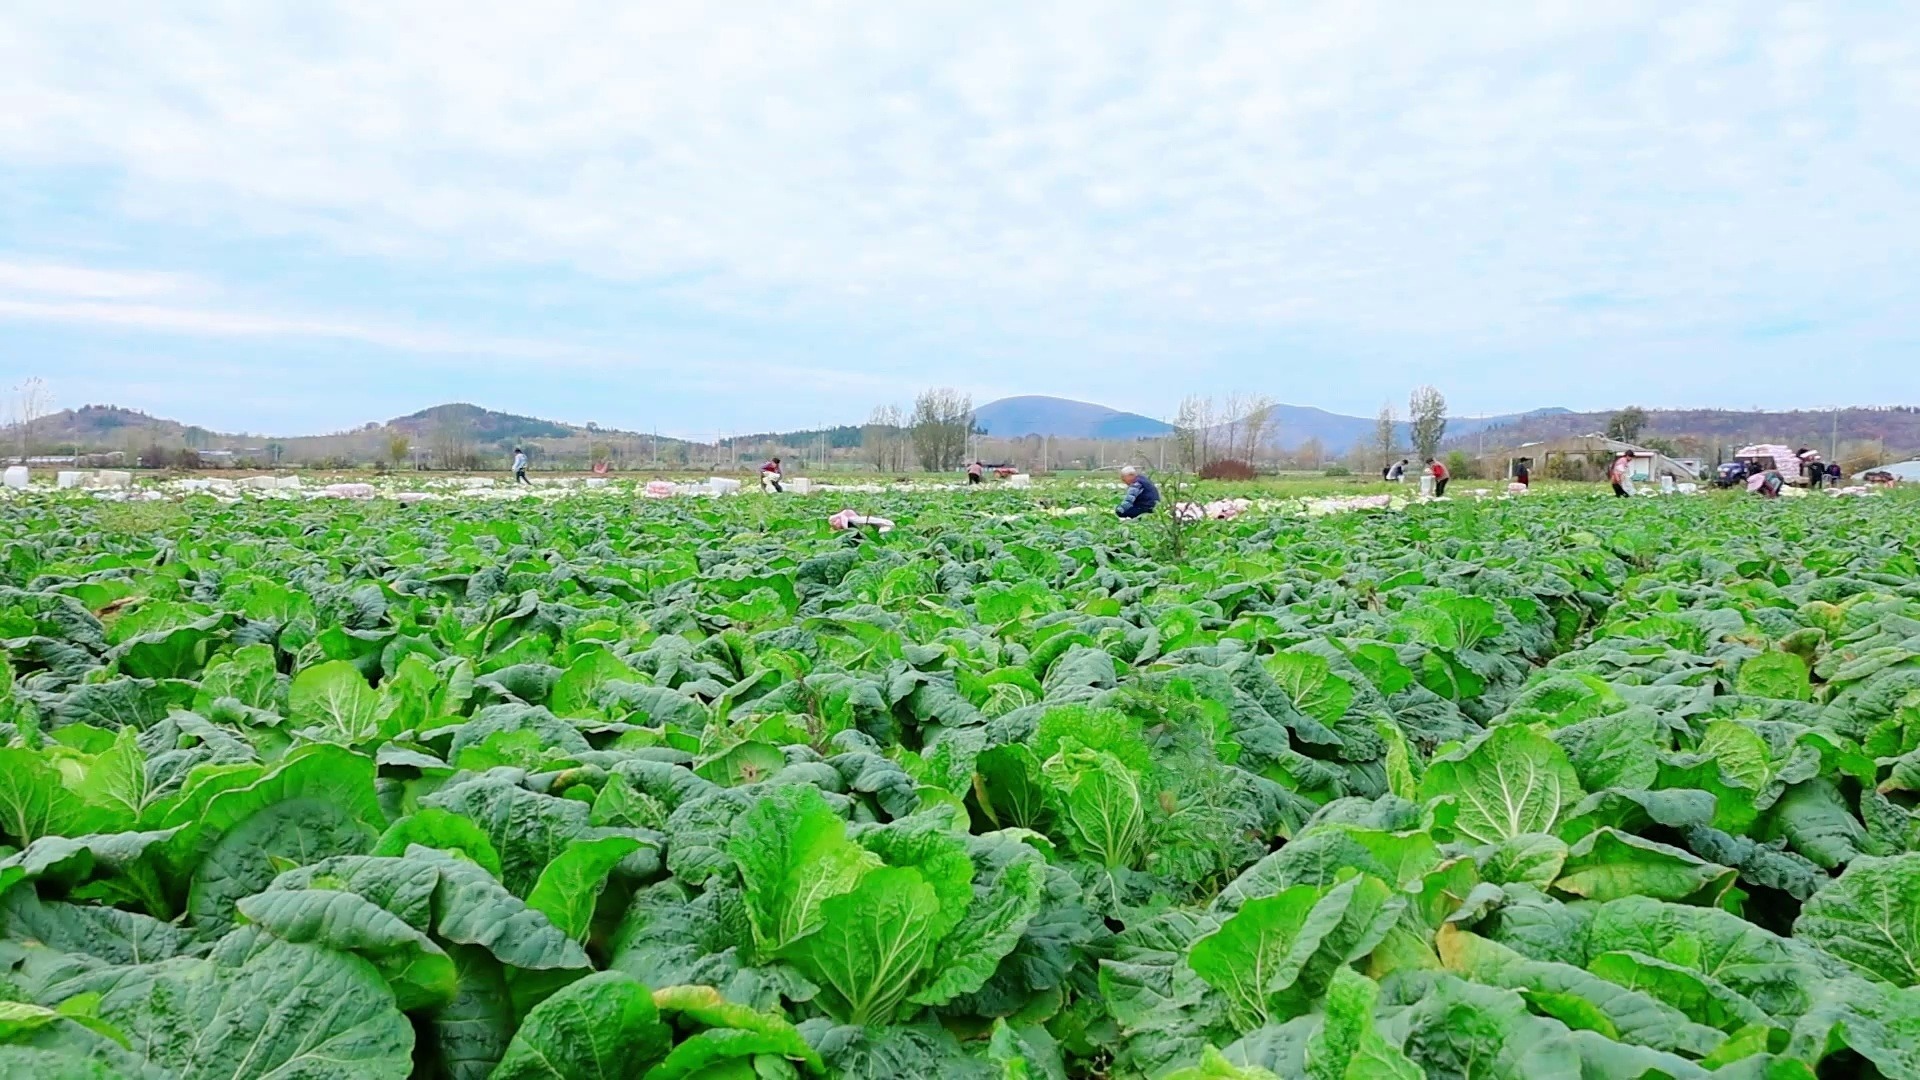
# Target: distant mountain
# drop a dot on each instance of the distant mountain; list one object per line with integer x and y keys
{"x": 460, "y": 428}
{"x": 483, "y": 425}
{"x": 1291, "y": 426}
{"x": 1702, "y": 431}
{"x": 489, "y": 434}
{"x": 95, "y": 425}
{"x": 1014, "y": 417}
{"x": 105, "y": 427}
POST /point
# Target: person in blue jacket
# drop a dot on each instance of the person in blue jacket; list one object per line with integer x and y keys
{"x": 1141, "y": 495}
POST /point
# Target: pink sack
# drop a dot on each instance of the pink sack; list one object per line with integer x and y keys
{"x": 847, "y": 519}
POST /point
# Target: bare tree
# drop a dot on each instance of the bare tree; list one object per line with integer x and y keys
{"x": 1311, "y": 453}
{"x": 453, "y": 444}
{"x": 942, "y": 424}
{"x": 1230, "y": 411}
{"x": 1237, "y": 426}
{"x": 1385, "y": 436}
{"x": 1257, "y": 425}
{"x": 881, "y": 437}
{"x": 1192, "y": 431}
{"x": 1427, "y": 414}
{"x": 31, "y": 401}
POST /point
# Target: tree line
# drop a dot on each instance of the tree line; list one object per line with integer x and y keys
{"x": 938, "y": 433}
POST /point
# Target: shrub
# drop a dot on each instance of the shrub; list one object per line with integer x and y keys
{"x": 1226, "y": 469}
{"x": 1337, "y": 470}
{"x": 1567, "y": 467}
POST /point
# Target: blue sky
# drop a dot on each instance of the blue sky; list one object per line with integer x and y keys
{"x": 294, "y": 218}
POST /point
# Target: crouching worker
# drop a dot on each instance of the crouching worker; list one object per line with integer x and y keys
{"x": 1141, "y": 495}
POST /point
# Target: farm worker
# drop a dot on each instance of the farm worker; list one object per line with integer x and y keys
{"x": 770, "y": 476}
{"x": 520, "y": 467}
{"x": 1141, "y": 495}
{"x": 1834, "y": 475}
{"x": 1440, "y": 477}
{"x": 1767, "y": 485}
{"x": 973, "y": 472}
{"x": 1397, "y": 472}
{"x": 1522, "y": 475}
{"x": 1813, "y": 467}
{"x": 1621, "y": 473}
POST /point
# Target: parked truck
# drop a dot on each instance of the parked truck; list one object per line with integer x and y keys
{"x": 1781, "y": 459}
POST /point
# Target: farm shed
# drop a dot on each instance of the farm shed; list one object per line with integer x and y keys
{"x": 1599, "y": 450}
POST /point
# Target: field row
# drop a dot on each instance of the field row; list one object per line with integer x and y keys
{"x": 1552, "y": 787}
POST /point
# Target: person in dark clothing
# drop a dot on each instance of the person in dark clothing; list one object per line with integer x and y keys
{"x": 520, "y": 467}
{"x": 1141, "y": 495}
{"x": 1834, "y": 475}
{"x": 1813, "y": 468}
{"x": 1522, "y": 474}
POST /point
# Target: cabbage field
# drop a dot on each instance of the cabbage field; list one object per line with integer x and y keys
{"x": 1543, "y": 789}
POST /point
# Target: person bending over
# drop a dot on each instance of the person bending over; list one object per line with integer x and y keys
{"x": 1141, "y": 495}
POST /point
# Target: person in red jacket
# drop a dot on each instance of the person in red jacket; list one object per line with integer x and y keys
{"x": 1440, "y": 477}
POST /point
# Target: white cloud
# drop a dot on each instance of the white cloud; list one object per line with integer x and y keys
{"x": 1442, "y": 173}
{"x": 167, "y": 303}
{"x": 213, "y": 322}
{"x": 44, "y": 292}
{"x": 55, "y": 279}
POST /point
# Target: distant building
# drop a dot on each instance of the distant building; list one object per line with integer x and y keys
{"x": 1907, "y": 472}
{"x": 1599, "y": 450}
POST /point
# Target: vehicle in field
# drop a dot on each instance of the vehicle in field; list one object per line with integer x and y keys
{"x": 1761, "y": 457}
{"x": 1731, "y": 474}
